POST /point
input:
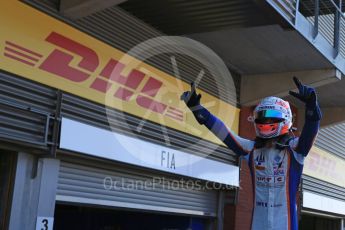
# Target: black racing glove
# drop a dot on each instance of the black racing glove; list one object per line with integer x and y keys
{"x": 307, "y": 95}
{"x": 192, "y": 100}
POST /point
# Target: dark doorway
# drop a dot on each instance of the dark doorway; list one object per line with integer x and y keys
{"x": 7, "y": 171}
{"x": 311, "y": 222}
{"x": 89, "y": 218}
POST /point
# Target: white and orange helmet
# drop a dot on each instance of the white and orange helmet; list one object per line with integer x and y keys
{"x": 272, "y": 117}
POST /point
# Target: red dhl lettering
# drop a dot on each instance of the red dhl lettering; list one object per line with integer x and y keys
{"x": 58, "y": 63}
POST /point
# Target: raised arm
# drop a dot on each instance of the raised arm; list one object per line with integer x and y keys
{"x": 313, "y": 116}
{"x": 239, "y": 145}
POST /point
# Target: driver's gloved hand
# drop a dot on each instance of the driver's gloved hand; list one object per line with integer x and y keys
{"x": 192, "y": 100}
{"x": 307, "y": 95}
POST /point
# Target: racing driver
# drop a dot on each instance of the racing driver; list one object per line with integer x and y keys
{"x": 275, "y": 157}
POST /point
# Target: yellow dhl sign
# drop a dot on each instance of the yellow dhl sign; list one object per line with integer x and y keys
{"x": 325, "y": 166}
{"x": 46, "y": 50}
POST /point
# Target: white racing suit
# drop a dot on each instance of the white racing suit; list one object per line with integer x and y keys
{"x": 275, "y": 172}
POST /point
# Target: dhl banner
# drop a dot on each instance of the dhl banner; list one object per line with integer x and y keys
{"x": 36, "y": 46}
{"x": 325, "y": 166}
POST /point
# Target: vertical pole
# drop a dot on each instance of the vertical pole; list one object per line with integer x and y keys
{"x": 316, "y": 18}
{"x": 296, "y": 9}
{"x": 56, "y": 124}
{"x": 341, "y": 224}
{"x": 337, "y": 18}
{"x": 7, "y": 171}
{"x": 220, "y": 212}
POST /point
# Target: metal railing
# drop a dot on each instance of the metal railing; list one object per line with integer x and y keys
{"x": 287, "y": 8}
{"x": 327, "y": 19}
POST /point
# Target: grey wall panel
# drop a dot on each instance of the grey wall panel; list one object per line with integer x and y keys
{"x": 24, "y": 107}
{"x": 16, "y": 89}
{"x": 84, "y": 182}
{"x": 122, "y": 30}
{"x": 322, "y": 188}
{"x": 332, "y": 139}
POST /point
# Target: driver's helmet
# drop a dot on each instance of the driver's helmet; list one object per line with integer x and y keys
{"x": 272, "y": 117}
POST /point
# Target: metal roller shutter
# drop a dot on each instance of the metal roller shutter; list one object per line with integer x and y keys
{"x": 322, "y": 188}
{"x": 332, "y": 139}
{"x": 82, "y": 182}
{"x": 26, "y": 110}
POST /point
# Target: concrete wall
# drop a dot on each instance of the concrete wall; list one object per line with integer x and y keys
{"x": 34, "y": 191}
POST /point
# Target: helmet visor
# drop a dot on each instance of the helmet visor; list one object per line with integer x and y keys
{"x": 273, "y": 115}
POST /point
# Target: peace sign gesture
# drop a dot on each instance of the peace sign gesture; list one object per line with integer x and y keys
{"x": 191, "y": 98}
{"x": 305, "y": 93}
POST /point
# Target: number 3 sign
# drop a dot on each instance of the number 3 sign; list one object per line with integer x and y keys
{"x": 44, "y": 223}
